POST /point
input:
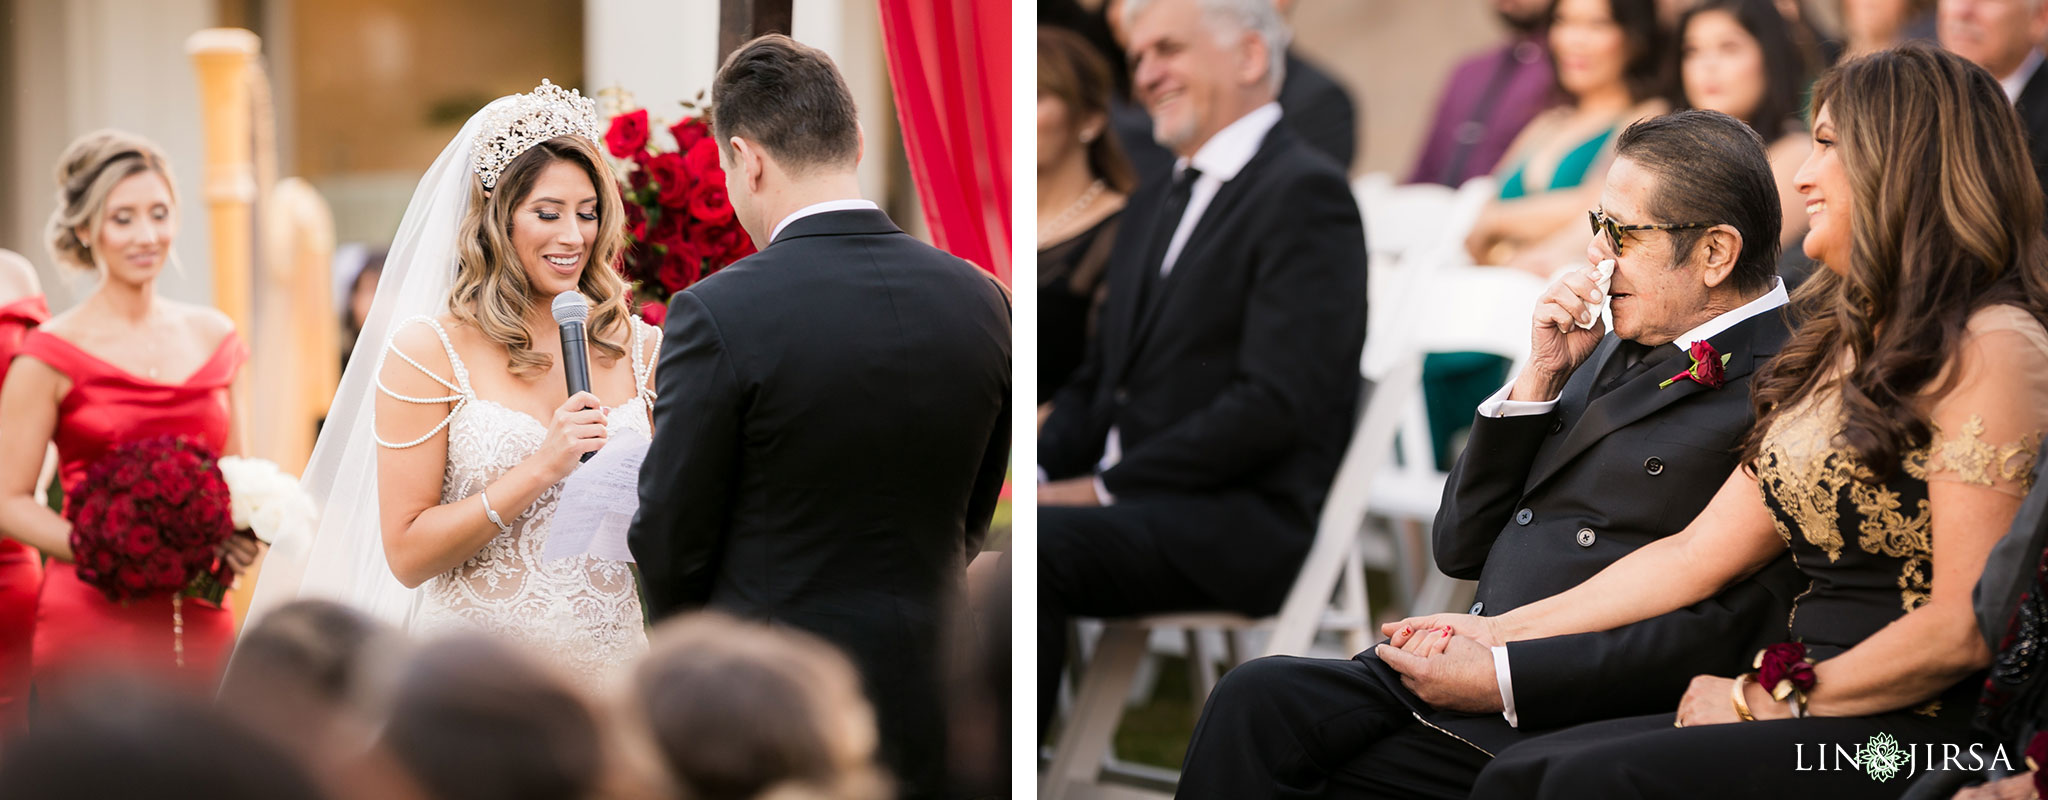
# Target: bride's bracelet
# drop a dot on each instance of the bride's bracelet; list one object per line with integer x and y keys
{"x": 493, "y": 514}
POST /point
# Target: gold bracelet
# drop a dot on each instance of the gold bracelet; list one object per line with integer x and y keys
{"x": 1741, "y": 703}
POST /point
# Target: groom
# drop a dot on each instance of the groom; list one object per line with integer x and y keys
{"x": 833, "y": 423}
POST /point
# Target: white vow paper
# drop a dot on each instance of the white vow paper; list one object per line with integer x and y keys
{"x": 598, "y": 503}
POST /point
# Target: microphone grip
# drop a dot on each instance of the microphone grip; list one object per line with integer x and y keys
{"x": 575, "y": 362}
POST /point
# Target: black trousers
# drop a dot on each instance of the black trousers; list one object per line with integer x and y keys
{"x": 1793, "y": 758}
{"x": 1161, "y": 554}
{"x": 1287, "y": 727}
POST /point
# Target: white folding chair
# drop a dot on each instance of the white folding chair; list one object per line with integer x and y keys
{"x": 1329, "y": 594}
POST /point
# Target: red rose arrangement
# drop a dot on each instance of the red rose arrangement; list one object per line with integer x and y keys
{"x": 679, "y": 220}
{"x": 149, "y": 518}
{"x": 1705, "y": 369}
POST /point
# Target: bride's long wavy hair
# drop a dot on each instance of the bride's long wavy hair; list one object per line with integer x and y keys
{"x": 1945, "y": 220}
{"x": 491, "y": 290}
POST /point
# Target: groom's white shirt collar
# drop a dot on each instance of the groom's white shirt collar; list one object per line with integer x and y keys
{"x": 855, "y": 204}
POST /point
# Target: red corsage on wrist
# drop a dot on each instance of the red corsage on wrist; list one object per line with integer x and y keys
{"x": 1784, "y": 670}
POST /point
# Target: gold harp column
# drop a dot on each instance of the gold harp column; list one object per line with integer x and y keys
{"x": 223, "y": 58}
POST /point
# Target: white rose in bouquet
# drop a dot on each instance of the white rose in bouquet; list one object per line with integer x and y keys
{"x": 266, "y": 501}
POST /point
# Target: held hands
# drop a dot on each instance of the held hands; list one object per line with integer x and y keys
{"x": 577, "y": 428}
{"x": 1435, "y": 631}
{"x": 1557, "y": 345}
{"x": 1448, "y": 671}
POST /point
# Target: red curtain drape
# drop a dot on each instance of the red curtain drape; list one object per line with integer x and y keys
{"x": 949, "y": 63}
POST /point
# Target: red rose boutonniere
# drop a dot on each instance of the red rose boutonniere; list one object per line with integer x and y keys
{"x": 1705, "y": 369}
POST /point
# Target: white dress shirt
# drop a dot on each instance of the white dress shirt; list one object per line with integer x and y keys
{"x": 854, "y": 204}
{"x": 2017, "y": 81}
{"x": 1219, "y": 159}
{"x": 1500, "y": 406}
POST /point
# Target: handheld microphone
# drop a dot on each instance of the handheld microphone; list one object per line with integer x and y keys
{"x": 571, "y": 312}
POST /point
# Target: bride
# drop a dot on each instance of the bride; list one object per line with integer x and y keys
{"x": 443, "y": 458}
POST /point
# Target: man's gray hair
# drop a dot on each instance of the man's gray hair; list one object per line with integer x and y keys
{"x": 1230, "y": 17}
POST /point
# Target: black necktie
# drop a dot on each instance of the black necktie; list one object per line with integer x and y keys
{"x": 1162, "y": 230}
{"x": 1629, "y": 360}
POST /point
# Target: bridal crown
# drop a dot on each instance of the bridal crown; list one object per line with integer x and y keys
{"x": 545, "y": 113}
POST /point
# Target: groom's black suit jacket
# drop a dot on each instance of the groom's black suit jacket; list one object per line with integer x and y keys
{"x": 1538, "y": 504}
{"x": 830, "y": 438}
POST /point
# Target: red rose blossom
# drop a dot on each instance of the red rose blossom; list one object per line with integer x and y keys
{"x": 702, "y": 160}
{"x": 668, "y": 173}
{"x": 1706, "y": 367}
{"x": 628, "y": 135}
{"x": 1784, "y": 663}
{"x": 709, "y": 204}
{"x": 654, "y": 312}
{"x": 688, "y": 132}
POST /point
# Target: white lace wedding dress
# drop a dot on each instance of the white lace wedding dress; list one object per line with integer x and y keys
{"x": 582, "y": 613}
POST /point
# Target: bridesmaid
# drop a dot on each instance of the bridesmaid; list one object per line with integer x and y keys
{"x": 21, "y": 568}
{"x": 123, "y": 365}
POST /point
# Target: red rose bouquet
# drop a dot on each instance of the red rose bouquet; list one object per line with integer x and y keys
{"x": 678, "y": 217}
{"x": 149, "y": 518}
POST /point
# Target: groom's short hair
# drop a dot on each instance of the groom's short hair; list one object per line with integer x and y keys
{"x": 789, "y": 98}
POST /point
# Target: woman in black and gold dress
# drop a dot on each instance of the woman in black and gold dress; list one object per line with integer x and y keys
{"x": 1897, "y": 433}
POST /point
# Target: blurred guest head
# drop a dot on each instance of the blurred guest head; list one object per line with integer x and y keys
{"x": 120, "y": 737}
{"x": 1871, "y": 25}
{"x": 117, "y": 207}
{"x": 1199, "y": 65}
{"x": 1598, "y": 47}
{"x": 474, "y": 719}
{"x": 1994, "y": 34}
{"x": 740, "y": 711}
{"x": 1923, "y": 210}
{"x": 782, "y": 115}
{"x": 362, "y": 291}
{"x": 1523, "y": 16}
{"x": 312, "y": 674}
{"x": 1706, "y": 172}
{"x": 1073, "y": 110}
{"x": 1737, "y": 57}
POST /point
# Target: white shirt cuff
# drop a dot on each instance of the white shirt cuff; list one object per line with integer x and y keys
{"x": 1507, "y": 686}
{"x": 1102, "y": 494}
{"x": 1043, "y": 477}
{"x": 1499, "y": 405}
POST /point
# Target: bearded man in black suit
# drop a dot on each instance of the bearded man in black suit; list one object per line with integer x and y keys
{"x": 1589, "y": 454}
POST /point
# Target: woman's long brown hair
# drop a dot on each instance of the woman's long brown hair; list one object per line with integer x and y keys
{"x": 1946, "y": 219}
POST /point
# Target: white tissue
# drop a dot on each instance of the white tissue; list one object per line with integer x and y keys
{"x": 1606, "y": 268}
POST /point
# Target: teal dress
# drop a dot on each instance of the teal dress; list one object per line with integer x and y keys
{"x": 1453, "y": 384}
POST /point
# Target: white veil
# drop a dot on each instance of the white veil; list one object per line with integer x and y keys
{"x": 343, "y": 558}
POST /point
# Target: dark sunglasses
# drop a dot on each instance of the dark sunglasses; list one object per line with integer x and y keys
{"x": 1602, "y": 223}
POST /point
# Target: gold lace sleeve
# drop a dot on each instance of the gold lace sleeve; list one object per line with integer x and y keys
{"x": 1988, "y": 426}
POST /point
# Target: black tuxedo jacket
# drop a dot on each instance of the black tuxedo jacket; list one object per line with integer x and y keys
{"x": 1236, "y": 374}
{"x": 2032, "y": 106}
{"x": 1318, "y": 110}
{"x": 1538, "y": 504}
{"x": 830, "y": 439}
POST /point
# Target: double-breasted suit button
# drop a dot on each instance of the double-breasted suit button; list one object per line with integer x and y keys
{"x": 1476, "y": 608}
{"x": 1654, "y": 466}
{"x": 1556, "y": 427}
{"x": 1523, "y": 516}
{"x": 1585, "y": 537}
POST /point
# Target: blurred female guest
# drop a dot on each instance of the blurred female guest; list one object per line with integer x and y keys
{"x": 123, "y": 365}
{"x": 21, "y": 568}
{"x": 474, "y": 718}
{"x": 1897, "y": 432}
{"x": 1737, "y": 57}
{"x": 1609, "y": 58}
{"x": 1083, "y": 181}
{"x": 784, "y": 707}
